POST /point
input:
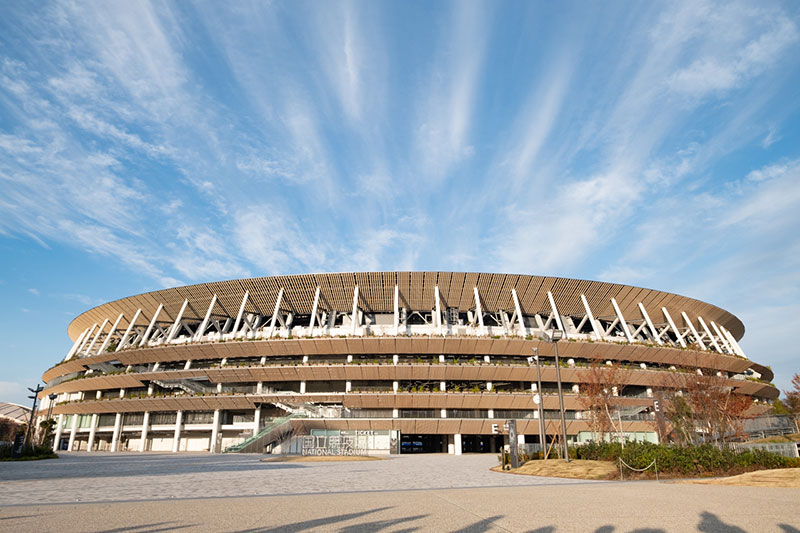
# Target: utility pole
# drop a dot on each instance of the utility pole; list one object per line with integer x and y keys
{"x": 538, "y": 399}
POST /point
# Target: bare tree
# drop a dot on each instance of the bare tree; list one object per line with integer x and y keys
{"x": 706, "y": 408}
{"x": 793, "y": 400}
{"x": 599, "y": 397}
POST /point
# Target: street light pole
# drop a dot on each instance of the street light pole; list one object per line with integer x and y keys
{"x": 540, "y": 405}
{"x": 555, "y": 336}
{"x": 35, "y": 396}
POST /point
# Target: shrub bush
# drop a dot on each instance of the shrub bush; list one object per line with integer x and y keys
{"x": 684, "y": 460}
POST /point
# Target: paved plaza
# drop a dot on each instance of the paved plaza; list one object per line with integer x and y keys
{"x": 151, "y": 492}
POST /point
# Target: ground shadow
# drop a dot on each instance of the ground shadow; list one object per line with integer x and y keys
{"x": 309, "y": 524}
{"x": 710, "y": 523}
{"x": 150, "y": 528}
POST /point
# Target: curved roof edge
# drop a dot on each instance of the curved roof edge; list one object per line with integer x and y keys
{"x": 376, "y": 293}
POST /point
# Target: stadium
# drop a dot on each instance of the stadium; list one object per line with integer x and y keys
{"x": 380, "y": 363}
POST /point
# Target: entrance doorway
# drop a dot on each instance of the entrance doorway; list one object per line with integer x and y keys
{"x": 481, "y": 443}
{"x": 421, "y": 443}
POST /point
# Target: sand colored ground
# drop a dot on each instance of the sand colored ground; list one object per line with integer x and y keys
{"x": 781, "y": 477}
{"x": 576, "y": 469}
{"x": 319, "y": 458}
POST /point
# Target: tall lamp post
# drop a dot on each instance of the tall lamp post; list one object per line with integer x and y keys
{"x": 35, "y": 396}
{"x": 538, "y": 399}
{"x": 555, "y": 336}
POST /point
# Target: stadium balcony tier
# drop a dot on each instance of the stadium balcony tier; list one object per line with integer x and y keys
{"x": 383, "y": 362}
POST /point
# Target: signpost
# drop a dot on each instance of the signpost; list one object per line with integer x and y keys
{"x": 510, "y": 428}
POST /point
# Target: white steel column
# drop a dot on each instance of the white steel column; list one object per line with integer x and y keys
{"x": 257, "y": 420}
{"x": 108, "y": 337}
{"x": 145, "y": 428}
{"x": 275, "y": 314}
{"x": 354, "y": 319}
{"x": 597, "y": 333}
{"x": 235, "y": 331}
{"x": 649, "y": 323}
{"x": 149, "y": 329}
{"x": 177, "y": 325}
{"x": 438, "y": 306}
{"x": 621, "y": 320}
{"x": 176, "y": 438}
{"x": 457, "y": 443}
{"x": 128, "y": 330}
{"x": 73, "y": 430}
{"x": 522, "y": 330}
{"x": 314, "y": 307}
{"x": 75, "y": 345}
{"x": 721, "y": 337}
{"x": 396, "y": 311}
{"x": 215, "y": 432}
{"x": 694, "y": 331}
{"x": 733, "y": 342}
{"x": 204, "y": 323}
{"x": 555, "y": 313}
{"x": 59, "y": 431}
{"x": 97, "y": 336}
{"x": 115, "y": 435}
{"x": 86, "y": 339}
{"x": 674, "y": 327}
{"x": 708, "y": 332}
{"x": 482, "y": 329}
{"x": 92, "y": 432}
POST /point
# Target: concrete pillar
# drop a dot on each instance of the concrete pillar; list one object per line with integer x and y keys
{"x": 156, "y": 366}
{"x": 305, "y": 359}
{"x": 395, "y": 359}
{"x": 256, "y": 420}
{"x": 264, "y": 360}
{"x": 224, "y": 361}
{"x": 219, "y": 388}
{"x": 348, "y": 386}
{"x": 487, "y": 359}
{"x": 576, "y": 389}
{"x": 491, "y": 413}
{"x": 176, "y": 439}
{"x": 215, "y": 432}
{"x": 92, "y": 432}
{"x": 457, "y": 443}
{"x": 441, "y": 358}
{"x": 395, "y": 413}
{"x": 444, "y": 413}
{"x": 443, "y": 386}
{"x": 59, "y": 431}
{"x": 188, "y": 364}
{"x": 260, "y": 387}
{"x": 395, "y": 386}
{"x": 349, "y": 358}
{"x": 73, "y": 430}
{"x": 451, "y": 444}
{"x": 145, "y": 428}
{"x": 302, "y": 387}
{"x": 150, "y": 390}
{"x": 115, "y": 435}
{"x": 489, "y": 386}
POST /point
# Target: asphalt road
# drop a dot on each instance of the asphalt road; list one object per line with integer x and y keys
{"x": 109, "y": 489}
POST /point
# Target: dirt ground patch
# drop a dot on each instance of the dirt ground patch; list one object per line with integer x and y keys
{"x": 320, "y": 458}
{"x": 576, "y": 469}
{"x": 780, "y": 477}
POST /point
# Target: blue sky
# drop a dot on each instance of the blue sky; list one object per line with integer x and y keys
{"x": 146, "y": 145}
